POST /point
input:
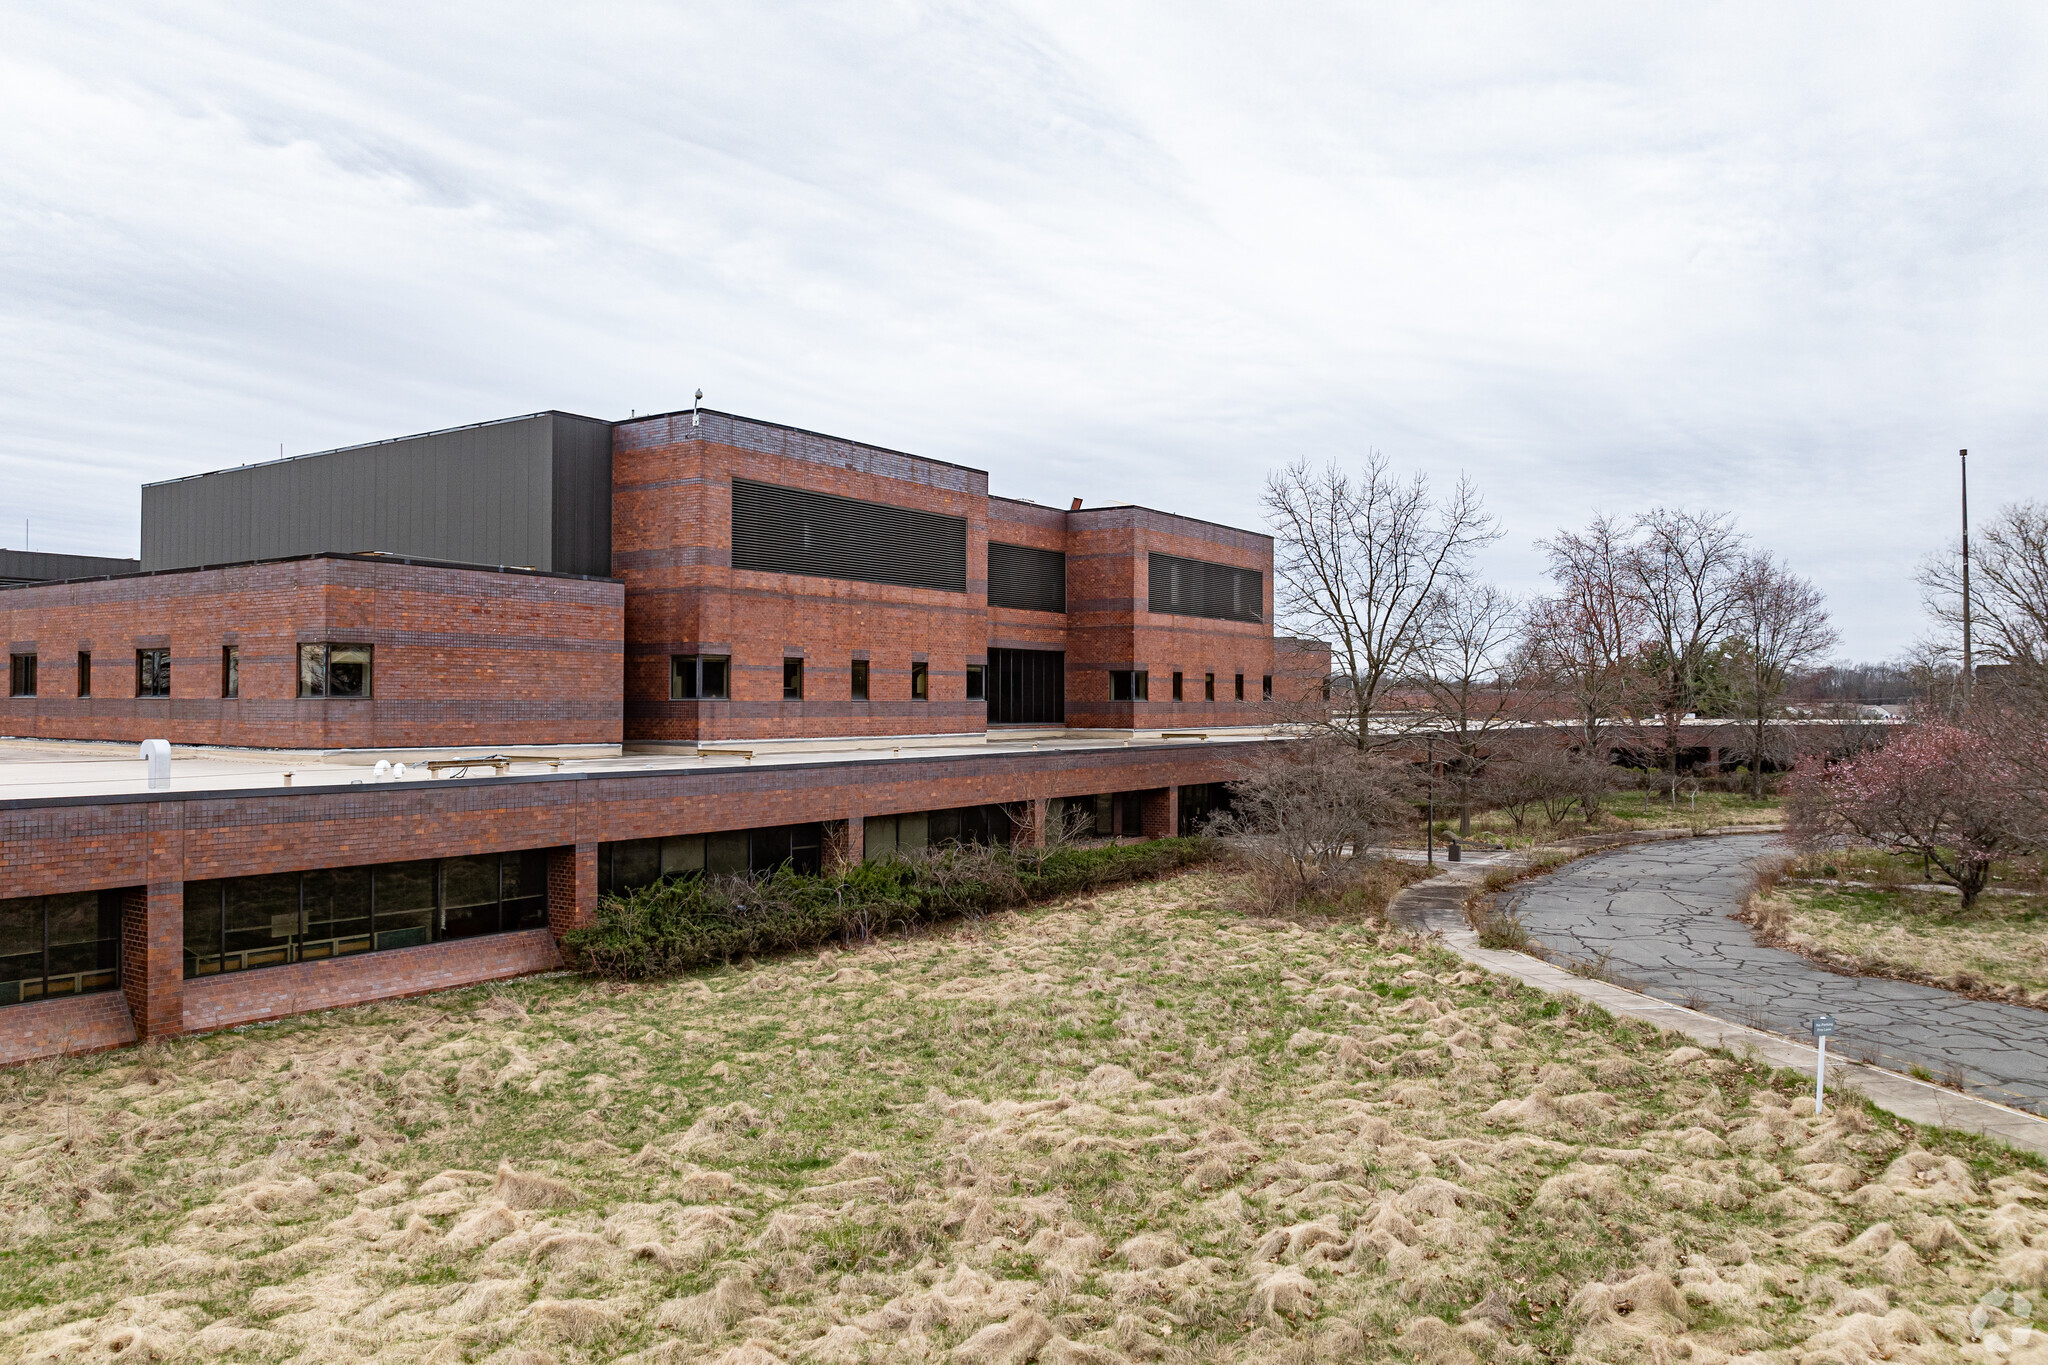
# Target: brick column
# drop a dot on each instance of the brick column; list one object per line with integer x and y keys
{"x": 1029, "y": 819}
{"x": 845, "y": 845}
{"x": 1159, "y": 813}
{"x": 153, "y": 958}
{"x": 572, "y": 888}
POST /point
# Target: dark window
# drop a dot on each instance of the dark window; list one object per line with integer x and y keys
{"x": 1195, "y": 587}
{"x": 698, "y": 677}
{"x": 21, "y": 675}
{"x": 1266, "y": 688}
{"x": 84, "y": 673}
{"x": 1028, "y": 579}
{"x": 1129, "y": 685}
{"x": 230, "y": 671}
{"x": 920, "y": 682}
{"x": 1240, "y": 687}
{"x": 793, "y": 530}
{"x": 630, "y": 863}
{"x": 59, "y": 945}
{"x": 860, "y": 679}
{"x": 152, "y": 673}
{"x": 1199, "y": 801}
{"x": 334, "y": 670}
{"x": 1027, "y": 687}
{"x": 977, "y": 688}
{"x": 1176, "y": 685}
{"x": 792, "y": 679}
{"x": 1208, "y": 687}
{"x": 243, "y": 923}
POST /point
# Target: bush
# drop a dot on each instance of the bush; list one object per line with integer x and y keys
{"x": 674, "y": 926}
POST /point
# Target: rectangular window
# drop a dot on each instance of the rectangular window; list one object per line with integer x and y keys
{"x": 1129, "y": 685}
{"x": 59, "y": 945}
{"x": 698, "y": 677}
{"x": 1176, "y": 685}
{"x": 1025, "y": 578}
{"x": 797, "y": 531}
{"x": 230, "y": 671}
{"x": 152, "y": 673}
{"x": 920, "y": 682}
{"x": 860, "y": 679}
{"x": 1027, "y": 686}
{"x": 243, "y": 923}
{"x": 1266, "y": 688}
{"x": 1195, "y": 587}
{"x": 631, "y": 863}
{"x": 21, "y": 675}
{"x": 1240, "y": 687}
{"x": 1208, "y": 687}
{"x": 334, "y": 670}
{"x": 84, "y": 673}
{"x": 977, "y": 689}
{"x": 792, "y": 679}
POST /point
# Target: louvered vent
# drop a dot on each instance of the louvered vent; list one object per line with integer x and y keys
{"x": 1027, "y": 579}
{"x": 1195, "y": 587}
{"x": 793, "y": 530}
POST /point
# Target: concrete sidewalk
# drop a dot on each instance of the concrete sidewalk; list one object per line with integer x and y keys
{"x": 1437, "y": 908}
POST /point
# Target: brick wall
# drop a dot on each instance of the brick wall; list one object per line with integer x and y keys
{"x": 243, "y": 997}
{"x": 56, "y": 1028}
{"x": 463, "y": 656}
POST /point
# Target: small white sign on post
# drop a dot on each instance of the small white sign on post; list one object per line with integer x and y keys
{"x": 1822, "y": 1025}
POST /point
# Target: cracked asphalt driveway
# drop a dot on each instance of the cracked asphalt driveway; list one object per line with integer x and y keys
{"x": 1662, "y": 915}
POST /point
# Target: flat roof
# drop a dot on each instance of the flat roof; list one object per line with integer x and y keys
{"x": 361, "y": 556}
{"x": 387, "y": 441}
{"x": 69, "y": 773}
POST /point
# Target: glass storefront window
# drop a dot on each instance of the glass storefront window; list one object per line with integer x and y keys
{"x": 59, "y": 945}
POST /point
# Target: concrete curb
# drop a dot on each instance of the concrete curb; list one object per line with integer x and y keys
{"x": 1914, "y": 1100}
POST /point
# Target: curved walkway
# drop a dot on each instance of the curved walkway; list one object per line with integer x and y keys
{"x": 1660, "y": 916}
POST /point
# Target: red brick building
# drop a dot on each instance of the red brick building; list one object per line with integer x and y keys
{"x": 794, "y": 648}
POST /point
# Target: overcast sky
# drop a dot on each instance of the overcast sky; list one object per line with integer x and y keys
{"x": 1782, "y": 260}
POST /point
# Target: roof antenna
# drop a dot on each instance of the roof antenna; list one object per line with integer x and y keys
{"x": 693, "y": 408}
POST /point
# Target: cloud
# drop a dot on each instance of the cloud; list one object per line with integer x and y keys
{"x": 1782, "y": 262}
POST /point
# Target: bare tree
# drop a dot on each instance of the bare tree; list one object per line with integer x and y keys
{"x": 1583, "y": 642}
{"x": 1780, "y": 624}
{"x": 1682, "y": 569}
{"x": 1541, "y": 768}
{"x": 1304, "y": 815}
{"x": 1358, "y": 562}
{"x": 2008, "y": 589}
{"x": 1472, "y": 673}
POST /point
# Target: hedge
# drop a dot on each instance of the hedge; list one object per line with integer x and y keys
{"x": 674, "y": 926}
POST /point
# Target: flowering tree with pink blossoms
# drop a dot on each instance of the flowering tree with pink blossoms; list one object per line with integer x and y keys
{"x": 1939, "y": 791}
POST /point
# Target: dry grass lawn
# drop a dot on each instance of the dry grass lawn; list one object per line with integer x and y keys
{"x": 2000, "y": 947}
{"x": 1137, "y": 1128}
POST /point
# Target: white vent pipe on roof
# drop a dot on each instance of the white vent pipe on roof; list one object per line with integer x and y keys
{"x": 156, "y": 758}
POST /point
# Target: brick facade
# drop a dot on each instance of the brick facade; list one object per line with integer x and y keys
{"x": 462, "y": 655}
{"x": 55, "y": 1028}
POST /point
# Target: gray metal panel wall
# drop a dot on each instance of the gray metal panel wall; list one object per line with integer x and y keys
{"x": 475, "y": 495}
{"x": 583, "y": 495}
{"x": 35, "y": 566}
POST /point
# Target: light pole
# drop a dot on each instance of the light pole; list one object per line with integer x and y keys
{"x": 1964, "y": 457}
{"x": 1430, "y": 829}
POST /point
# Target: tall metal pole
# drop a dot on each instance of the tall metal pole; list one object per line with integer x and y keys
{"x": 1431, "y": 832}
{"x": 1969, "y": 672}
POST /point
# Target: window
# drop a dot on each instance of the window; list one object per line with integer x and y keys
{"x": 1195, "y": 587}
{"x": 860, "y": 679}
{"x": 1208, "y": 687}
{"x": 230, "y": 671}
{"x": 1240, "y": 687}
{"x": 1026, "y": 686}
{"x": 59, "y": 945}
{"x": 1266, "y": 688}
{"x": 794, "y": 530}
{"x": 152, "y": 673}
{"x": 334, "y": 670}
{"x": 1176, "y": 685}
{"x": 84, "y": 672}
{"x": 631, "y": 863}
{"x": 242, "y": 923}
{"x": 699, "y": 677}
{"x": 977, "y": 686}
{"x": 1129, "y": 685}
{"x": 792, "y": 679}
{"x": 920, "y": 682}
{"x": 21, "y": 675}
